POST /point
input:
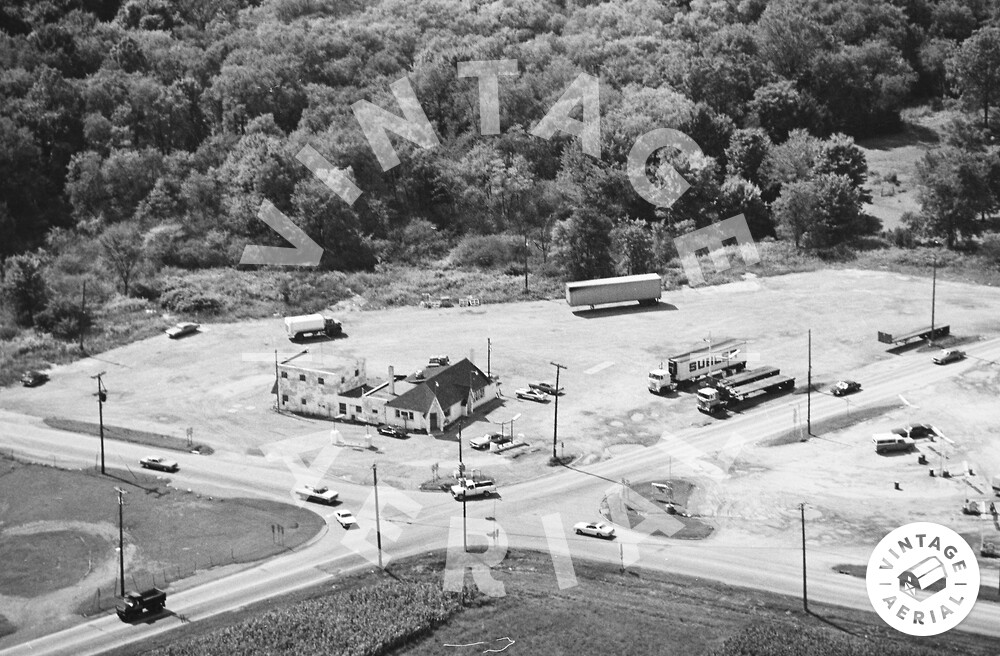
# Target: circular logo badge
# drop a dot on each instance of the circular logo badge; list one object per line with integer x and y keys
{"x": 923, "y": 579}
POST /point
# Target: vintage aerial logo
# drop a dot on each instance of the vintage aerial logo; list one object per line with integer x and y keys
{"x": 923, "y": 579}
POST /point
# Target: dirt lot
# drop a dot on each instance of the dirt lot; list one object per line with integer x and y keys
{"x": 219, "y": 382}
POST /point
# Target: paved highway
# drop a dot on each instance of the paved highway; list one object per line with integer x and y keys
{"x": 538, "y": 514}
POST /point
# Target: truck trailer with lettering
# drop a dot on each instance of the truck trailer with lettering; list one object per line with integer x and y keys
{"x": 644, "y": 288}
{"x": 722, "y": 358}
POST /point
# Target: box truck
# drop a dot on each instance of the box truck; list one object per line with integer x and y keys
{"x": 310, "y": 325}
{"x": 644, "y": 288}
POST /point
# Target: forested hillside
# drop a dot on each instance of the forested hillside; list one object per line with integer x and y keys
{"x": 145, "y": 134}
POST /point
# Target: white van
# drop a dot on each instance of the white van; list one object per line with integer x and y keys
{"x": 467, "y": 488}
{"x": 888, "y": 442}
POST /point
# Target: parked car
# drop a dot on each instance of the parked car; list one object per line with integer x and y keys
{"x": 490, "y": 438}
{"x": 845, "y": 387}
{"x": 916, "y": 431}
{"x": 320, "y": 494}
{"x": 948, "y": 355}
{"x": 597, "y": 529}
{"x": 531, "y": 394}
{"x": 392, "y": 431}
{"x": 156, "y": 462}
{"x": 547, "y": 388}
{"x": 181, "y": 329}
{"x": 467, "y": 488}
{"x": 33, "y": 378}
{"x": 345, "y": 518}
{"x": 890, "y": 442}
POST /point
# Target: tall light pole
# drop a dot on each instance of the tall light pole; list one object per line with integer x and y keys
{"x": 378, "y": 525}
{"x": 101, "y": 396}
{"x": 489, "y": 353}
{"x": 121, "y": 538}
{"x": 555, "y": 420}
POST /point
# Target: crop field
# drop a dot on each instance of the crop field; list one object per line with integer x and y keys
{"x": 404, "y": 613}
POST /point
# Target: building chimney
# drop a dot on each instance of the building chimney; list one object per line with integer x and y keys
{"x": 392, "y": 380}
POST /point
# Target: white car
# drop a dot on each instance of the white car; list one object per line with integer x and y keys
{"x": 948, "y": 355}
{"x": 485, "y": 441}
{"x": 531, "y": 395}
{"x": 156, "y": 462}
{"x": 316, "y": 494}
{"x": 597, "y": 529}
{"x": 345, "y": 518}
{"x": 181, "y": 329}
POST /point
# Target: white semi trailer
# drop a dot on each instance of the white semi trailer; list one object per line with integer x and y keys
{"x": 311, "y": 325}
{"x": 644, "y": 288}
{"x": 725, "y": 358}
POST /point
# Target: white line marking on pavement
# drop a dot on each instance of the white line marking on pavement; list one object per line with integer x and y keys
{"x": 598, "y": 367}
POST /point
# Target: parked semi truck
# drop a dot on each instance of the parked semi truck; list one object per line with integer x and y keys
{"x": 644, "y": 288}
{"x": 758, "y": 382}
{"x": 723, "y": 358}
{"x": 136, "y": 604}
{"x": 311, "y": 325}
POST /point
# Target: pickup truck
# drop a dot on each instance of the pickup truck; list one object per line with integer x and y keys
{"x": 136, "y": 604}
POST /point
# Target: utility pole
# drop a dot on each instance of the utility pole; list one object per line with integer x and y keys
{"x": 277, "y": 404}
{"x": 378, "y": 526}
{"x": 489, "y": 352}
{"x": 555, "y": 420}
{"x": 805, "y": 597}
{"x": 809, "y": 388}
{"x": 933, "y": 293}
{"x": 121, "y": 538}
{"x": 101, "y": 396}
{"x": 461, "y": 476}
{"x": 83, "y": 312}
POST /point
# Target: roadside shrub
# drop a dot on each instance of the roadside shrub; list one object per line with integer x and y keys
{"x": 990, "y": 248}
{"x": 63, "y": 318}
{"x": 8, "y": 333}
{"x": 902, "y": 237}
{"x": 186, "y": 300}
{"x": 149, "y": 289}
{"x": 488, "y": 251}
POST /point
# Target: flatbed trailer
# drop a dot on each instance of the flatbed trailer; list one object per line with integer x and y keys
{"x": 747, "y": 377}
{"x": 713, "y": 400}
{"x": 921, "y": 333}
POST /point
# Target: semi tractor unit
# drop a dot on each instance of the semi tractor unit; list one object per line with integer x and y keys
{"x": 723, "y": 358}
{"x": 758, "y": 382}
{"x": 310, "y": 325}
{"x": 644, "y": 288}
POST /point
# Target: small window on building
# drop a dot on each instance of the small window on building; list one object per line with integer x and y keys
{"x": 284, "y": 374}
{"x": 357, "y": 409}
{"x": 397, "y": 413}
{"x": 303, "y": 401}
{"x": 343, "y": 408}
{"x": 284, "y": 398}
{"x": 302, "y": 376}
{"x": 319, "y": 380}
{"x": 357, "y": 372}
{"x": 343, "y": 380}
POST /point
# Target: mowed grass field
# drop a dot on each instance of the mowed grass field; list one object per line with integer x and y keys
{"x": 60, "y": 535}
{"x": 636, "y": 612}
